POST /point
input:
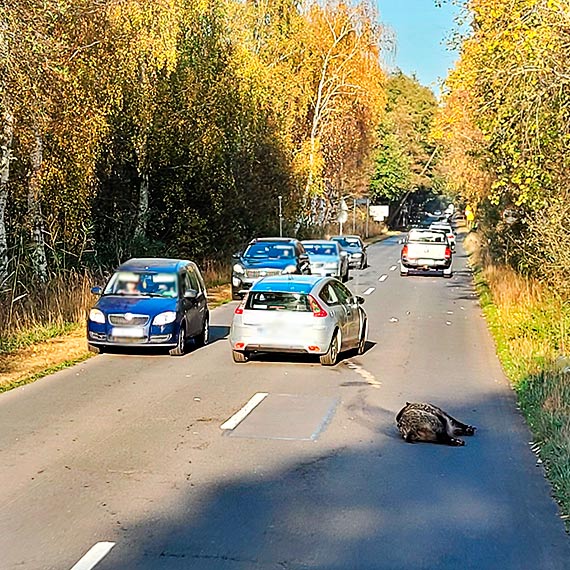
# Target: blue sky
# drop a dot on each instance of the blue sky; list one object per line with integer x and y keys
{"x": 422, "y": 30}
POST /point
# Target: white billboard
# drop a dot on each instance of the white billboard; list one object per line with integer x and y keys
{"x": 379, "y": 213}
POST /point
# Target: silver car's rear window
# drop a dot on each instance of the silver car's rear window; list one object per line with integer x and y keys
{"x": 268, "y": 301}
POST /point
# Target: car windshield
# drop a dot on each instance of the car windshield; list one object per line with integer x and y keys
{"x": 321, "y": 248}
{"x": 270, "y": 301}
{"x": 145, "y": 284}
{"x": 270, "y": 250}
{"x": 445, "y": 227}
{"x": 427, "y": 237}
{"x": 347, "y": 242}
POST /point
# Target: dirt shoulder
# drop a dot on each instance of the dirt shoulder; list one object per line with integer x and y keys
{"x": 28, "y": 364}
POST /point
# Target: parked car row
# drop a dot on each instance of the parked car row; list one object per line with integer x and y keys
{"x": 292, "y": 293}
{"x": 268, "y": 257}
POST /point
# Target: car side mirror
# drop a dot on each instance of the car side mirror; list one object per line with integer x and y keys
{"x": 191, "y": 294}
{"x": 96, "y": 290}
{"x": 358, "y": 300}
{"x": 237, "y": 255}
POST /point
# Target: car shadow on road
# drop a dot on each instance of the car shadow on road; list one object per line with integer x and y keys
{"x": 384, "y": 505}
{"x": 217, "y": 333}
{"x": 296, "y": 358}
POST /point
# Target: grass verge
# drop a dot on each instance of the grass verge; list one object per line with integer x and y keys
{"x": 31, "y": 354}
{"x": 531, "y": 324}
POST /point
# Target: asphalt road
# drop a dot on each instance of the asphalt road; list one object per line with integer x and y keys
{"x": 127, "y": 449}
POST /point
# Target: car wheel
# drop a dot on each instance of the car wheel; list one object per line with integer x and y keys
{"x": 363, "y": 337}
{"x": 240, "y": 356}
{"x": 94, "y": 349}
{"x": 331, "y": 356}
{"x": 180, "y": 347}
{"x": 363, "y": 264}
{"x": 203, "y": 338}
{"x": 235, "y": 295}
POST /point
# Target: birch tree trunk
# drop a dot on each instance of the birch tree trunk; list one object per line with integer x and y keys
{"x": 6, "y": 135}
{"x": 142, "y": 210}
{"x": 39, "y": 259}
{"x": 5, "y": 157}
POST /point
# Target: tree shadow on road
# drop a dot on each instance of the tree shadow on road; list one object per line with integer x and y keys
{"x": 383, "y": 505}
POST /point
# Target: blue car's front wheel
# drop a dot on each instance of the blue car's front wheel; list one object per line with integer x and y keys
{"x": 180, "y": 347}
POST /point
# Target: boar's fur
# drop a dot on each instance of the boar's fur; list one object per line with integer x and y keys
{"x": 426, "y": 422}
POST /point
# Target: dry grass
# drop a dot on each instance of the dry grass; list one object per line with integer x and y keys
{"x": 43, "y": 329}
{"x": 531, "y": 323}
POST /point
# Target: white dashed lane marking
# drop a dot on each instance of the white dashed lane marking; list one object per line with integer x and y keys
{"x": 93, "y": 556}
{"x": 239, "y": 416}
{"x": 370, "y": 290}
{"x": 370, "y": 379}
{"x": 383, "y": 278}
{"x": 393, "y": 268}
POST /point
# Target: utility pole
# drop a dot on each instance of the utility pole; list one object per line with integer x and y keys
{"x": 367, "y": 215}
{"x": 353, "y": 215}
{"x": 280, "y": 217}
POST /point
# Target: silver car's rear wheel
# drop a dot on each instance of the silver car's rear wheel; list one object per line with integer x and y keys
{"x": 331, "y": 356}
{"x": 363, "y": 336}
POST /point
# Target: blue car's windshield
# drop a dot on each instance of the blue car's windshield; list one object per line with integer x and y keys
{"x": 347, "y": 242}
{"x": 142, "y": 284}
{"x": 264, "y": 250}
{"x": 320, "y": 248}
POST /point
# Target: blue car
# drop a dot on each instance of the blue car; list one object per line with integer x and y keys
{"x": 150, "y": 303}
{"x": 267, "y": 256}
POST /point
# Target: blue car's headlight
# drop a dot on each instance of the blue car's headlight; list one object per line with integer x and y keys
{"x": 164, "y": 318}
{"x": 97, "y": 316}
{"x": 239, "y": 269}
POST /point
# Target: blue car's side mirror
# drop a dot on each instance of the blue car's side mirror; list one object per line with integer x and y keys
{"x": 96, "y": 290}
{"x": 191, "y": 294}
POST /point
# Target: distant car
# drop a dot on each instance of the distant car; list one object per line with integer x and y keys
{"x": 445, "y": 227}
{"x": 356, "y": 250}
{"x": 426, "y": 250}
{"x": 151, "y": 302}
{"x": 267, "y": 256}
{"x": 327, "y": 258}
{"x": 299, "y": 313}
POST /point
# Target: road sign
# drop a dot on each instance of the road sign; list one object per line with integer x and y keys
{"x": 379, "y": 213}
{"x": 342, "y": 216}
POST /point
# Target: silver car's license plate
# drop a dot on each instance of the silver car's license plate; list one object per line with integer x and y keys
{"x": 128, "y": 332}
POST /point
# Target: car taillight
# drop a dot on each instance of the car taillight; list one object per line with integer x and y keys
{"x": 405, "y": 251}
{"x": 318, "y": 311}
{"x": 447, "y": 252}
{"x": 239, "y": 310}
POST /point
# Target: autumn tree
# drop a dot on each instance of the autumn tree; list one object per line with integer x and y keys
{"x": 506, "y": 117}
{"x": 404, "y": 156}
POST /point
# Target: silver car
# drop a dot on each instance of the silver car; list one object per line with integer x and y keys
{"x": 299, "y": 313}
{"x": 327, "y": 258}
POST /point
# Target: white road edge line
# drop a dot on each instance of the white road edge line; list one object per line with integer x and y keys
{"x": 240, "y": 415}
{"x": 94, "y": 555}
{"x": 393, "y": 268}
{"x": 370, "y": 290}
{"x": 383, "y": 278}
